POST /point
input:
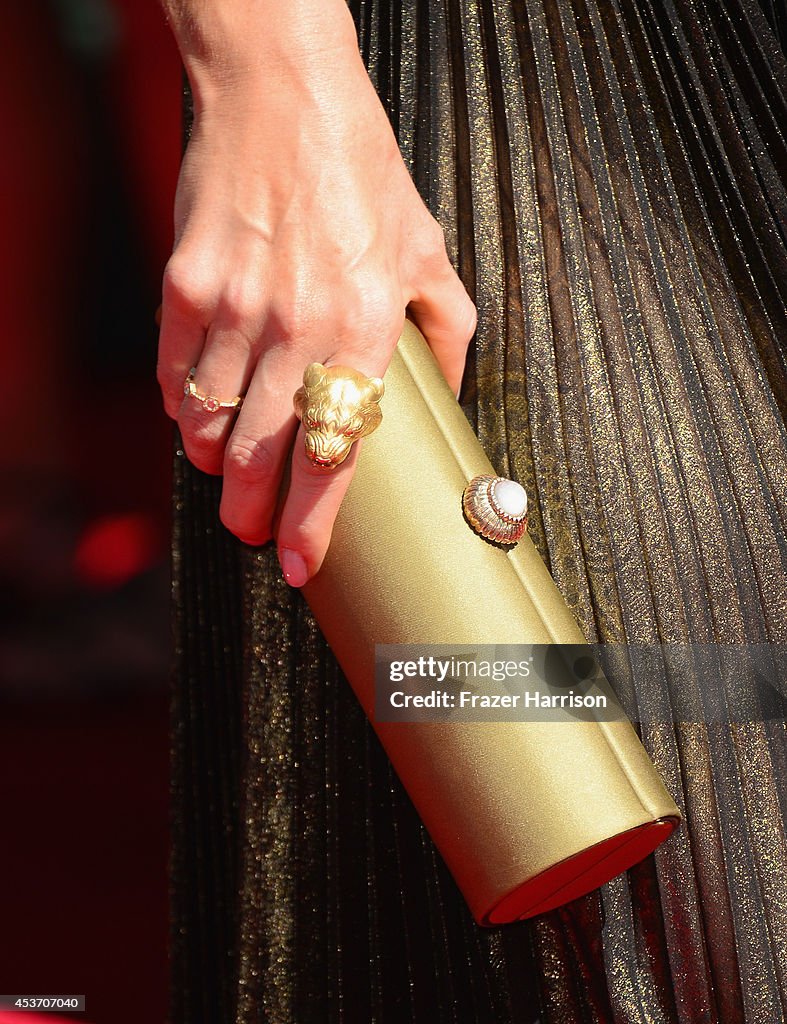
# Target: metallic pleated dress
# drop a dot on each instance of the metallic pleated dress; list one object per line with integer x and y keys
{"x": 610, "y": 177}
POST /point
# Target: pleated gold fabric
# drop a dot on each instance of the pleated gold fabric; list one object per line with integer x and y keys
{"x": 610, "y": 175}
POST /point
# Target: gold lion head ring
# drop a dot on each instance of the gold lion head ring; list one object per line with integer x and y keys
{"x": 337, "y": 405}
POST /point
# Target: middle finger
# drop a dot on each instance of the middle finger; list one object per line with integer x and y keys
{"x": 258, "y": 447}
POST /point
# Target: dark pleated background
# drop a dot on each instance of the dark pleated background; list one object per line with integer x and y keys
{"x": 610, "y": 175}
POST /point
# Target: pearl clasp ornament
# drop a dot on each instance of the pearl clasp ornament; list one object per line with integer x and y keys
{"x": 496, "y": 508}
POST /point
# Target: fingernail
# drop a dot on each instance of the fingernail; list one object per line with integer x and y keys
{"x": 294, "y": 567}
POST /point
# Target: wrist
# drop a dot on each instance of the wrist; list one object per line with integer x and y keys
{"x": 230, "y": 48}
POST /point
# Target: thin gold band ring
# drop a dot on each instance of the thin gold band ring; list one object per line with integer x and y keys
{"x": 209, "y": 402}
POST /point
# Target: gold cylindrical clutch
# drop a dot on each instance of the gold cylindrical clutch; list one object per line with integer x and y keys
{"x": 527, "y": 814}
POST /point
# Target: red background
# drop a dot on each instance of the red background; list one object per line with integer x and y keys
{"x": 90, "y": 106}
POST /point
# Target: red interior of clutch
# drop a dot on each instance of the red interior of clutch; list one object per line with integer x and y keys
{"x": 579, "y": 874}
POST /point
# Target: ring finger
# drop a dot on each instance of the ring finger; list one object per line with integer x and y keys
{"x": 220, "y": 376}
{"x": 181, "y": 340}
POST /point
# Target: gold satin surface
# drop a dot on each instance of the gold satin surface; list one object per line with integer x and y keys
{"x": 610, "y": 175}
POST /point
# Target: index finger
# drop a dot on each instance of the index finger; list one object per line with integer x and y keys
{"x": 309, "y": 511}
{"x": 339, "y": 407}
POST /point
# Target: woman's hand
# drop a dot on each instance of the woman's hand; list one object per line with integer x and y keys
{"x": 300, "y": 237}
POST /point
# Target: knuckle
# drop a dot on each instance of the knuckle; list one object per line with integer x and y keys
{"x": 250, "y": 460}
{"x": 164, "y": 376}
{"x": 202, "y": 445}
{"x": 299, "y": 317}
{"x": 171, "y": 384}
{"x": 292, "y": 327}
{"x": 293, "y": 534}
{"x": 380, "y": 311}
{"x": 435, "y": 239}
{"x": 187, "y": 285}
{"x": 243, "y": 300}
{"x": 433, "y": 247}
{"x": 202, "y": 439}
{"x": 307, "y": 531}
{"x": 469, "y": 315}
